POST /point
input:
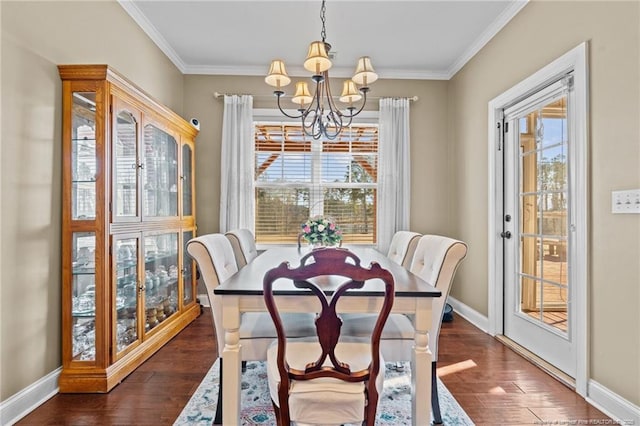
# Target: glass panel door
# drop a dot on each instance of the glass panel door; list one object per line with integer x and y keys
{"x": 188, "y": 271}
{"x": 83, "y": 302}
{"x": 126, "y": 164}
{"x": 127, "y": 283}
{"x": 160, "y": 173}
{"x": 543, "y": 214}
{"x": 187, "y": 181}
{"x": 537, "y": 291}
{"x": 161, "y": 278}
{"x": 83, "y": 156}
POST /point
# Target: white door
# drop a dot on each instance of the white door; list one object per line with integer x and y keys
{"x": 536, "y": 229}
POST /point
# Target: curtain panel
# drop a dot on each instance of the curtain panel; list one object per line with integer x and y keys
{"x": 237, "y": 164}
{"x": 394, "y": 174}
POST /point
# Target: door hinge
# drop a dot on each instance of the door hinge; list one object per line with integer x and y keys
{"x": 500, "y": 135}
{"x": 506, "y": 127}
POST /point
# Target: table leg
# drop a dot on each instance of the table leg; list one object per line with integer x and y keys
{"x": 421, "y": 365}
{"x": 232, "y": 365}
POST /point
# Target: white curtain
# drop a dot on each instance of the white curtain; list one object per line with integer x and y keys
{"x": 394, "y": 170}
{"x": 236, "y": 165}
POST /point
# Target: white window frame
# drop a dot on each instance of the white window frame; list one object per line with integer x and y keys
{"x": 268, "y": 115}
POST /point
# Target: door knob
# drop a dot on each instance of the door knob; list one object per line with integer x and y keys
{"x": 505, "y": 234}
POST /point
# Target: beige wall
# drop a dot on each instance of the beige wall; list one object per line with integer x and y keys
{"x": 540, "y": 33}
{"x": 36, "y": 36}
{"x": 429, "y": 193}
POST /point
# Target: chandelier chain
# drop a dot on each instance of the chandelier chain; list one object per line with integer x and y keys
{"x": 323, "y": 10}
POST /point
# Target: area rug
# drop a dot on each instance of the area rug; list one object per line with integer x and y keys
{"x": 394, "y": 409}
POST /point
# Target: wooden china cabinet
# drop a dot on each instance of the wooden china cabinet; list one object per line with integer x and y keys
{"x": 128, "y": 211}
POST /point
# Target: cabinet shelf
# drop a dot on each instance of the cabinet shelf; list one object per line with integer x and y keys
{"x": 128, "y": 285}
{"x": 84, "y": 271}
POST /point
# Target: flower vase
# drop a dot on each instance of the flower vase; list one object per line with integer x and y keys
{"x": 314, "y": 246}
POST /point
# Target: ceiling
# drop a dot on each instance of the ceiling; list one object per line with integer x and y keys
{"x": 419, "y": 39}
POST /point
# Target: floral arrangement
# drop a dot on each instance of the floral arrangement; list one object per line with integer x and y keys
{"x": 320, "y": 230}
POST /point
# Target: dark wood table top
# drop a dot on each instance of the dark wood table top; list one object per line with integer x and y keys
{"x": 248, "y": 281}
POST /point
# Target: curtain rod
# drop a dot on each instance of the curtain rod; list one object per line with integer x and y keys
{"x": 218, "y": 95}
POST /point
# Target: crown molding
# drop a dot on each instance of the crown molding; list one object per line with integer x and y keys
{"x": 495, "y": 27}
{"x": 298, "y": 71}
{"x": 136, "y": 14}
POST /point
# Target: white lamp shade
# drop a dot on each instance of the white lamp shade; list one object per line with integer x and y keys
{"x": 302, "y": 95}
{"x": 317, "y": 59}
{"x": 350, "y": 92}
{"x": 365, "y": 74}
{"x": 277, "y": 76}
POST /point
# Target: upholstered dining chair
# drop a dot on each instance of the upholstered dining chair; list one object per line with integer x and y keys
{"x": 216, "y": 261}
{"x": 244, "y": 245}
{"x": 436, "y": 260}
{"x": 402, "y": 247}
{"x": 333, "y": 378}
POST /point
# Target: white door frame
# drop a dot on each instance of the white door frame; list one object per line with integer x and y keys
{"x": 575, "y": 60}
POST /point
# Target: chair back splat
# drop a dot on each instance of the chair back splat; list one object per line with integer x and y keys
{"x": 321, "y": 267}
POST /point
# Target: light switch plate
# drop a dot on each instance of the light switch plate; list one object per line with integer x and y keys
{"x": 625, "y": 201}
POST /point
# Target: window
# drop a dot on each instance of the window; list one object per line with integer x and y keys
{"x": 297, "y": 177}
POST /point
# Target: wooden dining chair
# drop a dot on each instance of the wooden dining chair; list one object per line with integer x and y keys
{"x": 244, "y": 245}
{"x": 435, "y": 260}
{"x": 332, "y": 378}
{"x": 216, "y": 261}
{"x": 402, "y": 247}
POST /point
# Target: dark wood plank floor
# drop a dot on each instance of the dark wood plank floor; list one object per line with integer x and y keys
{"x": 491, "y": 382}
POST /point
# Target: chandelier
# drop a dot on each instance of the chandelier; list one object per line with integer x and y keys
{"x": 319, "y": 114}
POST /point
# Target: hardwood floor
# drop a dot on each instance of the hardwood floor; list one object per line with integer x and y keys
{"x": 491, "y": 382}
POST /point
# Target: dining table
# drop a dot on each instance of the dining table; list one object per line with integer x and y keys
{"x": 243, "y": 292}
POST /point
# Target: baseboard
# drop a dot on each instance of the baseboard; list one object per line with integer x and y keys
{"x": 470, "y": 314}
{"x": 613, "y": 405}
{"x": 28, "y": 399}
{"x": 204, "y": 300}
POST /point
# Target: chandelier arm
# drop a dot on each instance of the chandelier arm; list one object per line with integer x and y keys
{"x": 309, "y": 129}
{"x": 290, "y": 116}
{"x": 364, "y": 102}
{"x": 332, "y": 104}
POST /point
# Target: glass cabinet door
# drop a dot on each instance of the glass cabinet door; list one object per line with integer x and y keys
{"x": 125, "y": 163}
{"x": 160, "y": 173}
{"x": 187, "y": 180}
{"x": 125, "y": 251}
{"x": 83, "y": 302}
{"x": 161, "y": 278}
{"x": 188, "y": 271}
{"x": 83, "y": 156}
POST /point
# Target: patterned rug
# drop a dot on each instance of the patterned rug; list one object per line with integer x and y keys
{"x": 394, "y": 409}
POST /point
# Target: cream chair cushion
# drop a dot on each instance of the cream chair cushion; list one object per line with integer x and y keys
{"x": 324, "y": 401}
{"x": 397, "y": 337}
